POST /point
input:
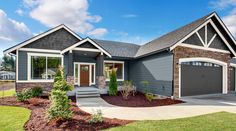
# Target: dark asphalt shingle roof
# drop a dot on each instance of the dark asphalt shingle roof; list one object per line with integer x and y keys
{"x": 130, "y": 50}
{"x": 171, "y": 38}
{"x": 118, "y": 49}
{"x": 122, "y": 49}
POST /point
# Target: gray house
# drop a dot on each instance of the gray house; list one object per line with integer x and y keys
{"x": 7, "y": 75}
{"x": 192, "y": 60}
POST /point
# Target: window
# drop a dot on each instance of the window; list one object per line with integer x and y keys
{"x": 43, "y": 67}
{"x": 119, "y": 66}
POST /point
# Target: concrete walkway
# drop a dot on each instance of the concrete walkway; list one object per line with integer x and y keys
{"x": 192, "y": 107}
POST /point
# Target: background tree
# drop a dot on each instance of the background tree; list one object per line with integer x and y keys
{"x": 8, "y": 63}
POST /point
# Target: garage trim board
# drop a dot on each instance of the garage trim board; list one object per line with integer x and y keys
{"x": 203, "y": 59}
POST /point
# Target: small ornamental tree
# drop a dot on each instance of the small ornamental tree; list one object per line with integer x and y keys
{"x": 60, "y": 82}
{"x": 60, "y": 104}
{"x": 113, "y": 83}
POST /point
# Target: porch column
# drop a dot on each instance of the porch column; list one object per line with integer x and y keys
{"x": 100, "y": 78}
{"x": 70, "y": 75}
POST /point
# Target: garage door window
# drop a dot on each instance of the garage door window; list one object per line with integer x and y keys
{"x": 199, "y": 63}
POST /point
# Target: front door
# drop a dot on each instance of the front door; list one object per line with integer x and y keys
{"x": 84, "y": 75}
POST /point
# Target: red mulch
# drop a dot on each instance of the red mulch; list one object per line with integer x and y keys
{"x": 139, "y": 100}
{"x": 39, "y": 122}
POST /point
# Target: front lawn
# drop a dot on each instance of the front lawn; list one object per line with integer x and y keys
{"x": 13, "y": 118}
{"x": 6, "y": 93}
{"x": 218, "y": 121}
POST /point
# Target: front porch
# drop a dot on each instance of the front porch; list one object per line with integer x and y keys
{"x": 90, "y": 91}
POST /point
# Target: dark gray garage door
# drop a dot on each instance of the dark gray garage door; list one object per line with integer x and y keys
{"x": 198, "y": 78}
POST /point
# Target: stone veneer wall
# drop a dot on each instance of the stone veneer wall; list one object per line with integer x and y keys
{"x": 70, "y": 80}
{"x": 184, "y": 52}
{"x": 101, "y": 82}
{"x": 47, "y": 86}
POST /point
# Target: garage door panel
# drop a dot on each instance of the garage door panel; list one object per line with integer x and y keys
{"x": 199, "y": 80}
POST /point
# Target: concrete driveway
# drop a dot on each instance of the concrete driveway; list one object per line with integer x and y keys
{"x": 213, "y": 99}
{"x": 194, "y": 106}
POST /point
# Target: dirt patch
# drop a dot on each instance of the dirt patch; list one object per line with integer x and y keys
{"x": 39, "y": 122}
{"x": 139, "y": 100}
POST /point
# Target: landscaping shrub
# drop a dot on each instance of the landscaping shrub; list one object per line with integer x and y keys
{"x": 60, "y": 106}
{"x": 127, "y": 89}
{"x": 37, "y": 91}
{"x": 24, "y": 94}
{"x": 113, "y": 83}
{"x": 149, "y": 96}
{"x": 96, "y": 117}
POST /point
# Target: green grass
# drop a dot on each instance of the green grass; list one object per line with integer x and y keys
{"x": 221, "y": 121}
{"x": 13, "y": 118}
{"x": 10, "y": 92}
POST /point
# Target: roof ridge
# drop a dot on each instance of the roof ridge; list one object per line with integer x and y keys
{"x": 117, "y": 42}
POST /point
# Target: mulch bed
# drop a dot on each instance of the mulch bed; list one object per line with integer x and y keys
{"x": 39, "y": 122}
{"x": 139, "y": 100}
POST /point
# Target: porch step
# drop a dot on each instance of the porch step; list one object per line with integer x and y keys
{"x": 85, "y": 93}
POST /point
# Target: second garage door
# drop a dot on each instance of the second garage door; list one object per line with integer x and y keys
{"x": 199, "y": 78}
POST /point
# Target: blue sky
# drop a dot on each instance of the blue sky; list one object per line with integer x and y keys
{"x": 136, "y": 21}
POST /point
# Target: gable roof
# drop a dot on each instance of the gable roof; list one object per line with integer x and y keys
{"x": 119, "y": 49}
{"x": 9, "y": 50}
{"x": 84, "y": 41}
{"x": 171, "y": 38}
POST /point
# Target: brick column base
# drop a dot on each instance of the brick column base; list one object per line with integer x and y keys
{"x": 70, "y": 80}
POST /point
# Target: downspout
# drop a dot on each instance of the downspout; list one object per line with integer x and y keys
{"x": 172, "y": 94}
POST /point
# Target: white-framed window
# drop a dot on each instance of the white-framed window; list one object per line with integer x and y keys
{"x": 43, "y": 67}
{"x": 118, "y": 65}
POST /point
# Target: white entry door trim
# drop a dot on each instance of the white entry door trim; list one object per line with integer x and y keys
{"x": 90, "y": 72}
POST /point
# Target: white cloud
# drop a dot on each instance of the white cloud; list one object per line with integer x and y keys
{"x": 20, "y": 12}
{"x": 129, "y": 15}
{"x": 222, "y": 4}
{"x": 73, "y": 13}
{"x": 230, "y": 18}
{"x": 12, "y": 30}
{"x": 99, "y": 32}
{"x": 230, "y": 22}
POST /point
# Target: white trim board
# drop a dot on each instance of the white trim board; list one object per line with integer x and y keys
{"x": 40, "y": 36}
{"x": 87, "y": 49}
{"x": 39, "y": 50}
{"x": 204, "y": 59}
{"x": 82, "y": 42}
{"x": 203, "y": 48}
{"x": 123, "y": 69}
